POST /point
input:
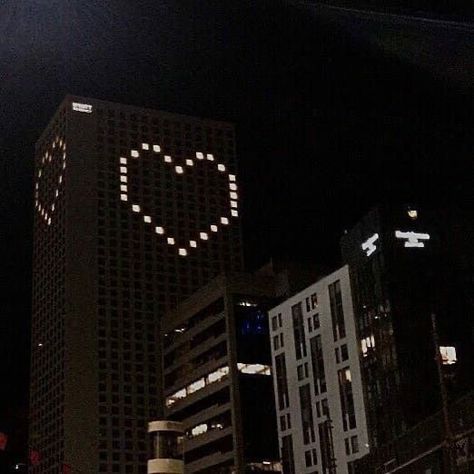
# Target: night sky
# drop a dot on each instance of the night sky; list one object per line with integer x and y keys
{"x": 335, "y": 110}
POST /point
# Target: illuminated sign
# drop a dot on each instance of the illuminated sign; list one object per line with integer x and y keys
{"x": 180, "y": 169}
{"x": 85, "y": 108}
{"x": 369, "y": 245}
{"x": 55, "y": 155}
{"x": 412, "y": 239}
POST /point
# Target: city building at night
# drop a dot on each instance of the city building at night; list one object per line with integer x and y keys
{"x": 407, "y": 266}
{"x": 217, "y": 376}
{"x": 135, "y": 209}
{"x": 317, "y": 380}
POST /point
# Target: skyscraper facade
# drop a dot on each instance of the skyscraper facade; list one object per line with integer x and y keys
{"x": 134, "y": 210}
{"x": 317, "y": 379}
{"x": 407, "y": 265}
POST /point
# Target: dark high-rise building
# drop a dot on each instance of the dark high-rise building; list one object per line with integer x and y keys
{"x": 407, "y": 265}
{"x": 134, "y": 210}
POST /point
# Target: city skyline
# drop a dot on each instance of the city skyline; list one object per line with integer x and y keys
{"x": 335, "y": 112}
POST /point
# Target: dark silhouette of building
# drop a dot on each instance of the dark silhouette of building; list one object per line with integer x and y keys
{"x": 406, "y": 265}
{"x": 134, "y": 210}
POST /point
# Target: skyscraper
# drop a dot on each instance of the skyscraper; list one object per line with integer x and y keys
{"x": 134, "y": 210}
{"x": 405, "y": 266}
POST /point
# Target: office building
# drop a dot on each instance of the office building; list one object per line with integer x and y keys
{"x": 406, "y": 265}
{"x": 317, "y": 379}
{"x": 134, "y": 210}
{"x": 218, "y": 377}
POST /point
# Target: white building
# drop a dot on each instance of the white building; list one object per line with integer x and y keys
{"x": 317, "y": 380}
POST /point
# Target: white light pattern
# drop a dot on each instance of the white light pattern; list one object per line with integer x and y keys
{"x": 412, "y": 239}
{"x": 254, "y": 369}
{"x": 214, "y": 227}
{"x": 78, "y": 107}
{"x": 448, "y": 355}
{"x": 197, "y": 385}
{"x": 46, "y": 210}
{"x": 369, "y": 245}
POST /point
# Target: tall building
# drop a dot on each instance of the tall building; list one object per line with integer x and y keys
{"x": 134, "y": 210}
{"x": 317, "y": 379}
{"x": 218, "y": 378}
{"x": 407, "y": 265}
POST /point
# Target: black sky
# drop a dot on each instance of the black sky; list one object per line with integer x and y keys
{"x": 335, "y": 111}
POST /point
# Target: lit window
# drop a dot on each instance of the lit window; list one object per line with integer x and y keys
{"x": 195, "y": 386}
{"x": 233, "y": 203}
{"x": 232, "y": 186}
{"x": 123, "y": 170}
{"x": 213, "y": 228}
{"x": 348, "y": 375}
{"x": 123, "y": 179}
{"x": 217, "y": 375}
{"x": 224, "y": 220}
{"x": 135, "y": 208}
{"x": 123, "y": 161}
{"x": 123, "y": 187}
{"x": 193, "y": 243}
{"x": 199, "y": 155}
{"x": 210, "y": 157}
{"x": 134, "y": 153}
{"x": 234, "y": 213}
{"x": 183, "y": 252}
{"x": 156, "y": 148}
{"x": 221, "y": 167}
{"x": 199, "y": 429}
{"x": 159, "y": 230}
{"x": 366, "y": 344}
{"x": 254, "y": 369}
{"x": 448, "y": 355}
{"x": 232, "y": 177}
{"x": 189, "y": 162}
{"x": 170, "y": 240}
{"x": 179, "y": 169}
{"x": 203, "y": 235}
{"x": 147, "y": 219}
{"x": 123, "y": 197}
{"x": 168, "y": 159}
{"x": 145, "y": 146}
{"x": 233, "y": 195}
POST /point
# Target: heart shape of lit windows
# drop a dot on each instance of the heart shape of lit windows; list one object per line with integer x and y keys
{"x": 159, "y": 228}
{"x": 54, "y": 156}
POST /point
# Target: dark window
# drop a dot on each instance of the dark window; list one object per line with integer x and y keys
{"x": 318, "y": 365}
{"x": 326, "y": 447}
{"x": 337, "y": 312}
{"x": 306, "y": 414}
{"x": 282, "y": 382}
{"x": 298, "y": 331}
{"x": 287, "y": 455}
